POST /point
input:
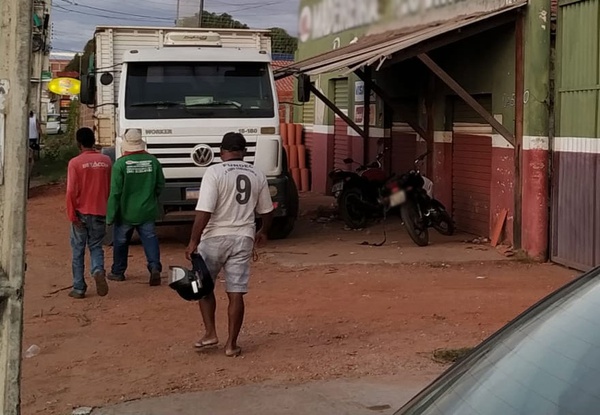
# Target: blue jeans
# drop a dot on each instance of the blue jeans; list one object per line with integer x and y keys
{"x": 122, "y": 238}
{"x": 91, "y": 234}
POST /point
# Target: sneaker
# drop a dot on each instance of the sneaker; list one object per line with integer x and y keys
{"x": 77, "y": 295}
{"x": 155, "y": 279}
{"x": 115, "y": 277}
{"x": 101, "y": 285}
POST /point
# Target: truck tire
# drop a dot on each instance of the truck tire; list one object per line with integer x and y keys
{"x": 284, "y": 226}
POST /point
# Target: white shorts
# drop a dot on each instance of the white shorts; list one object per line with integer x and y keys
{"x": 233, "y": 255}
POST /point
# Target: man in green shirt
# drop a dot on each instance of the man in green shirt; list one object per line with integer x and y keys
{"x": 137, "y": 181}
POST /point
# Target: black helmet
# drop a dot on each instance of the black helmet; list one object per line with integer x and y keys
{"x": 192, "y": 285}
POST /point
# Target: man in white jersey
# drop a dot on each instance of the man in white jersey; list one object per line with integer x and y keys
{"x": 224, "y": 233}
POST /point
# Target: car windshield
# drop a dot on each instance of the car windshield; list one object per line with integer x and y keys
{"x": 198, "y": 90}
{"x": 547, "y": 362}
{"x": 53, "y": 118}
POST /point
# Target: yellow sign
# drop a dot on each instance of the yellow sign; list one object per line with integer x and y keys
{"x": 64, "y": 86}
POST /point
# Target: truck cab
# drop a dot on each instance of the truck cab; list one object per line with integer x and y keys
{"x": 185, "y": 94}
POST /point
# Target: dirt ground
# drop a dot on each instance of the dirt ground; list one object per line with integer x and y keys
{"x": 304, "y": 322}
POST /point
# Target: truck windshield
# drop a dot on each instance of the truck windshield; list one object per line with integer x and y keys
{"x": 198, "y": 90}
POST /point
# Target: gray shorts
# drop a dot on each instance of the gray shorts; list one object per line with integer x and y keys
{"x": 233, "y": 255}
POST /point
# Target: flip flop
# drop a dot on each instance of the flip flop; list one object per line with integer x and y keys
{"x": 233, "y": 353}
{"x": 206, "y": 343}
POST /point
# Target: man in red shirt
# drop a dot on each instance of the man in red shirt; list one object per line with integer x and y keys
{"x": 88, "y": 187}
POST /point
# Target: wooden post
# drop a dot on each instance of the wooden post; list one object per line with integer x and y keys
{"x": 367, "y": 114}
{"x": 519, "y": 109}
{"x": 337, "y": 111}
{"x": 461, "y": 92}
{"x": 15, "y": 72}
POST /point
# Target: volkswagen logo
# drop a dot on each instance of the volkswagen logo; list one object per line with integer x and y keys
{"x": 203, "y": 155}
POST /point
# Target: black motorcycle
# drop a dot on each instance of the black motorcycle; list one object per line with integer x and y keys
{"x": 359, "y": 192}
{"x": 412, "y": 193}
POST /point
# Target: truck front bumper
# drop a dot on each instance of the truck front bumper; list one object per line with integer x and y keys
{"x": 179, "y": 199}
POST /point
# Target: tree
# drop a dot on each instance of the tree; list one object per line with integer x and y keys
{"x": 212, "y": 20}
{"x": 283, "y": 42}
{"x": 88, "y": 50}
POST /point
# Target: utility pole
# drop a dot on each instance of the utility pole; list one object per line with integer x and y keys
{"x": 200, "y": 13}
{"x": 177, "y": 18}
{"x": 15, "y": 75}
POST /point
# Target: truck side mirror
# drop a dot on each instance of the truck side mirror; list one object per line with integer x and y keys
{"x": 304, "y": 84}
{"x": 106, "y": 79}
{"x": 87, "y": 95}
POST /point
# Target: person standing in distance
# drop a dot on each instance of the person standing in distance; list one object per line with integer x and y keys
{"x": 224, "y": 233}
{"x": 35, "y": 133}
{"x": 88, "y": 187}
{"x": 137, "y": 182}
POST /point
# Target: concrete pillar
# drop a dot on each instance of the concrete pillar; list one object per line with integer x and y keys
{"x": 535, "y": 151}
{"x": 15, "y": 70}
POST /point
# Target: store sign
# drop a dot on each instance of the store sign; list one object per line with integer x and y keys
{"x": 359, "y": 114}
{"x": 329, "y": 17}
{"x": 65, "y": 86}
{"x": 405, "y": 8}
{"x": 359, "y": 93}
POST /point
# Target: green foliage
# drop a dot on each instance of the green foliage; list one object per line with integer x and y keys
{"x": 212, "y": 20}
{"x": 61, "y": 148}
{"x": 73, "y": 66}
{"x": 283, "y": 42}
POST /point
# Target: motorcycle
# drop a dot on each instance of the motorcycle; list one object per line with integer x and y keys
{"x": 413, "y": 194}
{"x": 358, "y": 193}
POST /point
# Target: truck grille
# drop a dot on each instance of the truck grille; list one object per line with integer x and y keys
{"x": 180, "y": 155}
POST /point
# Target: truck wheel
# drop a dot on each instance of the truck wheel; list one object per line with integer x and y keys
{"x": 283, "y": 227}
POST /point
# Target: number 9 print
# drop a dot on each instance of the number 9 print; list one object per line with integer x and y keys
{"x": 244, "y": 189}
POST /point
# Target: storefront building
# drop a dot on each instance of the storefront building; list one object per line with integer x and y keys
{"x": 468, "y": 80}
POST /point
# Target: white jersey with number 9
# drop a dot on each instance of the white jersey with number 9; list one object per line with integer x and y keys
{"x": 233, "y": 192}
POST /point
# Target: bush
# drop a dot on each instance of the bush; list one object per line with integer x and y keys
{"x": 57, "y": 151}
{"x": 63, "y": 147}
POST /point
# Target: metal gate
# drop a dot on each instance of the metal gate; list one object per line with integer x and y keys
{"x": 471, "y": 182}
{"x": 576, "y": 148}
{"x": 342, "y": 147}
{"x": 471, "y": 167}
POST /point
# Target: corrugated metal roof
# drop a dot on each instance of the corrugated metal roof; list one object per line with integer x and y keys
{"x": 285, "y": 84}
{"x": 377, "y": 48}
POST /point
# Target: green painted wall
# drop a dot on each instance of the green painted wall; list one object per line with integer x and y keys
{"x": 578, "y": 65}
{"x": 483, "y": 64}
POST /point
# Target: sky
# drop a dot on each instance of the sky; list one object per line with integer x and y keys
{"x": 74, "y": 21}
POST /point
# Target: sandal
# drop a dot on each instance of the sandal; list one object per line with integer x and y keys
{"x": 202, "y": 344}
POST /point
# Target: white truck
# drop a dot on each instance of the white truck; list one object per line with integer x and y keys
{"x": 185, "y": 88}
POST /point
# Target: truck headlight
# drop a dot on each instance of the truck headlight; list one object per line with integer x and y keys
{"x": 273, "y": 190}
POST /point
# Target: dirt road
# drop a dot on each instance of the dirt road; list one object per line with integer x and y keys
{"x": 303, "y": 323}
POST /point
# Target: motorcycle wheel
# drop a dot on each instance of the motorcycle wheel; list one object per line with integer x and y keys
{"x": 445, "y": 224}
{"x": 410, "y": 216}
{"x": 352, "y": 211}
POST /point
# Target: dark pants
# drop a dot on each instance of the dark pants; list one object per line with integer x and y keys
{"x": 122, "y": 238}
{"x": 91, "y": 234}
